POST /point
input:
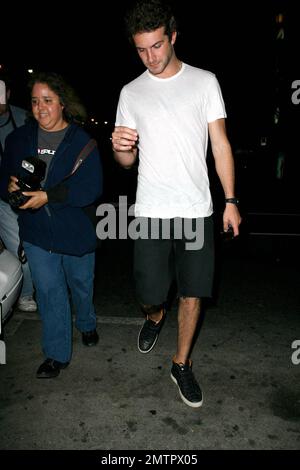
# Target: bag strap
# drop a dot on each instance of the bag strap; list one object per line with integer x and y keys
{"x": 85, "y": 152}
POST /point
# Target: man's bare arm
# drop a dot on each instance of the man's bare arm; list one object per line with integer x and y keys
{"x": 224, "y": 162}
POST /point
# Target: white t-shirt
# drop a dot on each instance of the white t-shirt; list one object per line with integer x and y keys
{"x": 171, "y": 116}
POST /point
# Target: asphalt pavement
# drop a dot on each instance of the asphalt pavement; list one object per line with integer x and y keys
{"x": 111, "y": 397}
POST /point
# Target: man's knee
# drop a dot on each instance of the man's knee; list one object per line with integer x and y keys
{"x": 190, "y": 302}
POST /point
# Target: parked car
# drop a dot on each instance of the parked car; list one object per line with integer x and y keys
{"x": 10, "y": 285}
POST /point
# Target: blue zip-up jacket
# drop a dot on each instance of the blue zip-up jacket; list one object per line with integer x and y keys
{"x": 61, "y": 226}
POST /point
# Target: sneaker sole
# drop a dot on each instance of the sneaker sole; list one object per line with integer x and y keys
{"x": 22, "y": 308}
{"x": 148, "y": 350}
{"x": 47, "y": 376}
{"x": 187, "y": 402}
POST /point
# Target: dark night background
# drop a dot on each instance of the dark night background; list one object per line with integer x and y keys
{"x": 236, "y": 41}
{"x": 110, "y": 398}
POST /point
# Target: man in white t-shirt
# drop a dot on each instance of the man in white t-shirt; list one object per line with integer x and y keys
{"x": 165, "y": 117}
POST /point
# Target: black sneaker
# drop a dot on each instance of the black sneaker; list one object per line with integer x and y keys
{"x": 148, "y": 334}
{"x": 189, "y": 389}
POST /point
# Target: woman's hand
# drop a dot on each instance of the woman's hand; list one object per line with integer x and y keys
{"x": 12, "y": 186}
{"x": 37, "y": 199}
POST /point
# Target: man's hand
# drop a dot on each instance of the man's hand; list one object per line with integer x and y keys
{"x": 231, "y": 217}
{"x": 124, "y": 139}
{"x": 37, "y": 199}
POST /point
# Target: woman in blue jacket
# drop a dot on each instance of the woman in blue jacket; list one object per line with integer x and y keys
{"x": 58, "y": 237}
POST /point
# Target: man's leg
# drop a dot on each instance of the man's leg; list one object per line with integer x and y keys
{"x": 153, "y": 312}
{"x": 181, "y": 372}
{"x": 9, "y": 229}
{"x": 194, "y": 277}
{"x": 188, "y": 316}
{"x": 153, "y": 275}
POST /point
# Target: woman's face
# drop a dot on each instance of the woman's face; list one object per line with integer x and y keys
{"x": 46, "y": 108}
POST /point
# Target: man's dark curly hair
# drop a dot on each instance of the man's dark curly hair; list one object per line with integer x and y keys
{"x": 73, "y": 108}
{"x": 148, "y": 15}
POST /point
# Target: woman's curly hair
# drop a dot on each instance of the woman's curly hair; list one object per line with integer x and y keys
{"x": 148, "y": 15}
{"x": 73, "y": 108}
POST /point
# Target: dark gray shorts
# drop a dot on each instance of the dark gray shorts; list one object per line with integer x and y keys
{"x": 157, "y": 262}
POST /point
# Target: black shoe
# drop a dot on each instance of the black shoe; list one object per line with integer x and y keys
{"x": 148, "y": 334}
{"x": 50, "y": 368}
{"x": 90, "y": 338}
{"x": 189, "y": 389}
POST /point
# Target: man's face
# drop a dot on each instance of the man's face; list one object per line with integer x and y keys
{"x": 155, "y": 50}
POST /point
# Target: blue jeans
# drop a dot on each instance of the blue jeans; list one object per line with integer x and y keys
{"x": 9, "y": 233}
{"x": 52, "y": 274}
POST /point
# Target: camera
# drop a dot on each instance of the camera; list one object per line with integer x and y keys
{"x": 29, "y": 179}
